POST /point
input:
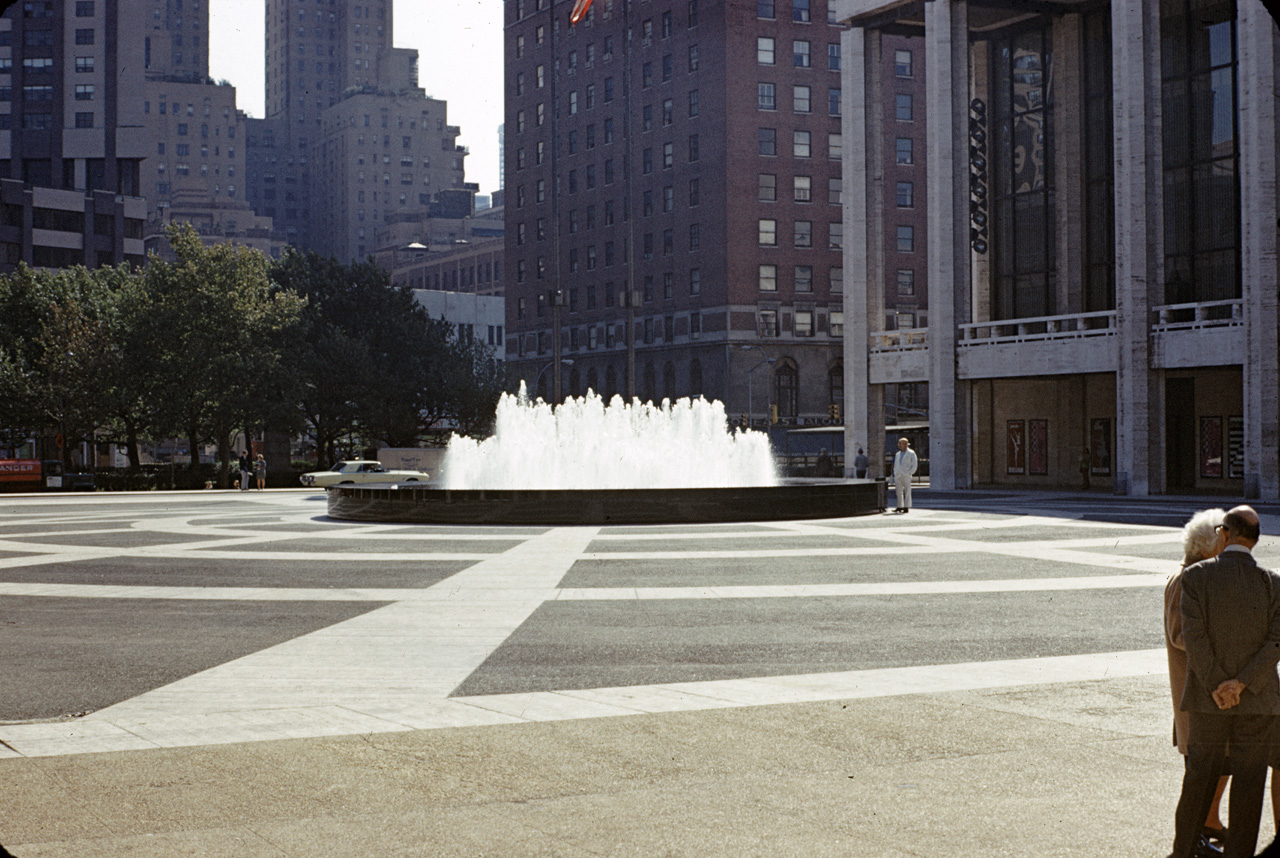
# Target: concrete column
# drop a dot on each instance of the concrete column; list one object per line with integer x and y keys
{"x": 1068, "y": 162}
{"x": 1139, "y": 237}
{"x": 946, "y": 24}
{"x": 863, "y": 213}
{"x": 1258, "y": 54}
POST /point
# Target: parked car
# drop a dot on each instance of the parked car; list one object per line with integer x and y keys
{"x": 360, "y": 471}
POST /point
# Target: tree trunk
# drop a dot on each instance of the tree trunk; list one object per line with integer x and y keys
{"x": 194, "y": 446}
{"x": 131, "y": 444}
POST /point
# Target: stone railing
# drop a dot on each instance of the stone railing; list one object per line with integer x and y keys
{"x": 902, "y": 340}
{"x": 1072, "y": 326}
{"x": 1195, "y": 316}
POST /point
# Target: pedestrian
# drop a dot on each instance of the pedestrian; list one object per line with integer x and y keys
{"x": 904, "y": 466}
{"x": 860, "y": 465}
{"x": 1200, "y": 541}
{"x": 1231, "y": 629}
{"x": 260, "y": 472}
{"x": 244, "y": 471}
{"x": 1085, "y": 463}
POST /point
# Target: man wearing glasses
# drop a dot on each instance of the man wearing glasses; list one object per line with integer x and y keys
{"x": 1231, "y": 628}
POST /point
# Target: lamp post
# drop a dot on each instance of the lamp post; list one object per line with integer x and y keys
{"x": 551, "y": 363}
{"x": 768, "y": 361}
{"x": 556, "y": 299}
{"x": 630, "y": 299}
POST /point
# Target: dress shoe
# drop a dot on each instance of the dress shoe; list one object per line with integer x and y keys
{"x": 1206, "y": 849}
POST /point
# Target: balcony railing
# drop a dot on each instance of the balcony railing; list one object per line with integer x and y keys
{"x": 901, "y": 340}
{"x": 1073, "y": 326}
{"x": 1190, "y": 317}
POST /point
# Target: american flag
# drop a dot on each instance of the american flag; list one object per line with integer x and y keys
{"x": 580, "y": 8}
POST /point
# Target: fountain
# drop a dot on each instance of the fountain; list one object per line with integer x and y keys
{"x": 588, "y": 462}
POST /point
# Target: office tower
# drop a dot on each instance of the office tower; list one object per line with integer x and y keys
{"x": 677, "y": 162}
{"x": 71, "y": 132}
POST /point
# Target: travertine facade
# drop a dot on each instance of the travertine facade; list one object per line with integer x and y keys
{"x": 1102, "y": 258}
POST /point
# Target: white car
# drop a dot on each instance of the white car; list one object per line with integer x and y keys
{"x": 360, "y": 471}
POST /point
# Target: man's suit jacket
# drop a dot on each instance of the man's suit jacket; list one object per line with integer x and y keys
{"x": 904, "y": 463}
{"x": 1231, "y": 628}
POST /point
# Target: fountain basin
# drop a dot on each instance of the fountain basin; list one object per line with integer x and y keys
{"x": 412, "y": 504}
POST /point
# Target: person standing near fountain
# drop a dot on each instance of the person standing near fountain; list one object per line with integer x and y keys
{"x": 904, "y": 466}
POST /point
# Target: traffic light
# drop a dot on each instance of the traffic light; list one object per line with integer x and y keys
{"x": 835, "y": 411}
{"x": 773, "y": 414}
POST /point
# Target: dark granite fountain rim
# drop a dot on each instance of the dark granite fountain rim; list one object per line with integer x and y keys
{"x": 391, "y": 502}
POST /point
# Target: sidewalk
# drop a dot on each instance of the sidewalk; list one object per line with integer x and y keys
{"x": 1058, "y": 770}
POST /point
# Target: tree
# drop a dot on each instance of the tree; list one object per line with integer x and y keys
{"x": 211, "y": 333}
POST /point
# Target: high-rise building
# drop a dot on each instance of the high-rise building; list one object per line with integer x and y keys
{"x": 675, "y": 179}
{"x": 1101, "y": 243}
{"x": 72, "y": 134}
{"x": 338, "y": 96}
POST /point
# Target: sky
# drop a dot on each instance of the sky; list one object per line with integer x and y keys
{"x": 459, "y": 46}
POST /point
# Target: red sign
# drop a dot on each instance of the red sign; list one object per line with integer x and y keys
{"x": 19, "y": 470}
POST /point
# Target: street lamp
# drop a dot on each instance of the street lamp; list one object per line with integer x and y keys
{"x": 551, "y": 363}
{"x": 751, "y": 372}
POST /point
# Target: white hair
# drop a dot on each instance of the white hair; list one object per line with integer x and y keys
{"x": 1198, "y": 535}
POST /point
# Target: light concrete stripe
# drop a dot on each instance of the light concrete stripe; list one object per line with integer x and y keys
{"x": 138, "y": 727}
{"x": 909, "y": 588}
{"x": 810, "y": 688}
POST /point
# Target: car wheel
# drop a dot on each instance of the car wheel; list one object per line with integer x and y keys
{"x": 347, "y": 483}
{"x": 411, "y": 480}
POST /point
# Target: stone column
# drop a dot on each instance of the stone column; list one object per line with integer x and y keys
{"x": 1256, "y": 43}
{"x": 1139, "y": 237}
{"x": 863, "y": 212}
{"x": 946, "y": 24}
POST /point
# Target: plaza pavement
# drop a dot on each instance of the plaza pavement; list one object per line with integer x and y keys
{"x": 235, "y": 674}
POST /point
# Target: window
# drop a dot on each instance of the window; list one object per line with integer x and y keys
{"x": 647, "y": 161}
{"x": 833, "y": 56}
{"x": 768, "y": 278}
{"x": 800, "y": 99}
{"x": 801, "y": 145}
{"x": 804, "y": 233}
{"x": 667, "y": 67}
{"x": 767, "y": 323}
{"x": 668, "y": 198}
{"x": 903, "y": 151}
{"x": 835, "y": 142}
{"x": 835, "y": 328}
{"x": 765, "y": 9}
{"x": 693, "y": 102}
{"x": 646, "y": 117}
{"x": 800, "y": 10}
{"x": 902, "y": 63}
{"x": 668, "y": 155}
{"x": 804, "y": 278}
{"x": 666, "y": 25}
{"x": 833, "y": 101}
{"x": 902, "y": 107}
{"x": 837, "y": 279}
{"x": 84, "y": 92}
{"x": 906, "y": 239}
{"x": 646, "y": 75}
{"x": 693, "y": 13}
{"x": 647, "y": 204}
{"x": 766, "y": 96}
{"x": 695, "y": 281}
{"x": 835, "y": 187}
{"x": 668, "y": 286}
{"x": 906, "y": 195}
{"x": 768, "y": 188}
{"x": 803, "y": 192}
{"x": 906, "y": 281}
{"x": 695, "y": 237}
{"x": 84, "y": 37}
{"x": 693, "y": 58}
{"x": 695, "y": 195}
{"x": 84, "y": 120}
{"x": 693, "y": 147}
{"x": 768, "y": 141}
{"x": 803, "y": 325}
{"x": 84, "y": 8}
{"x": 800, "y": 54}
{"x": 835, "y": 235}
{"x": 573, "y": 103}
{"x": 668, "y": 112}
{"x": 768, "y": 232}
{"x": 84, "y": 64}
{"x": 765, "y": 52}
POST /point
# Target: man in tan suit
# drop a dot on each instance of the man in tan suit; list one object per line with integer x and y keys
{"x": 1231, "y": 629}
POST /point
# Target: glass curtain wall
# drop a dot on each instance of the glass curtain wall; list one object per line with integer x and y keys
{"x": 1201, "y": 155}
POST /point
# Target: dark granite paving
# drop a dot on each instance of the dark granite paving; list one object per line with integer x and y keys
{"x": 574, "y": 645}
{"x": 195, "y": 571}
{"x": 855, "y": 569}
{"x": 382, "y": 545}
{"x": 129, "y": 539}
{"x": 124, "y": 647}
{"x": 781, "y": 542}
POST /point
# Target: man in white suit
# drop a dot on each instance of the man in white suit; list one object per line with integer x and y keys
{"x": 904, "y": 465}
